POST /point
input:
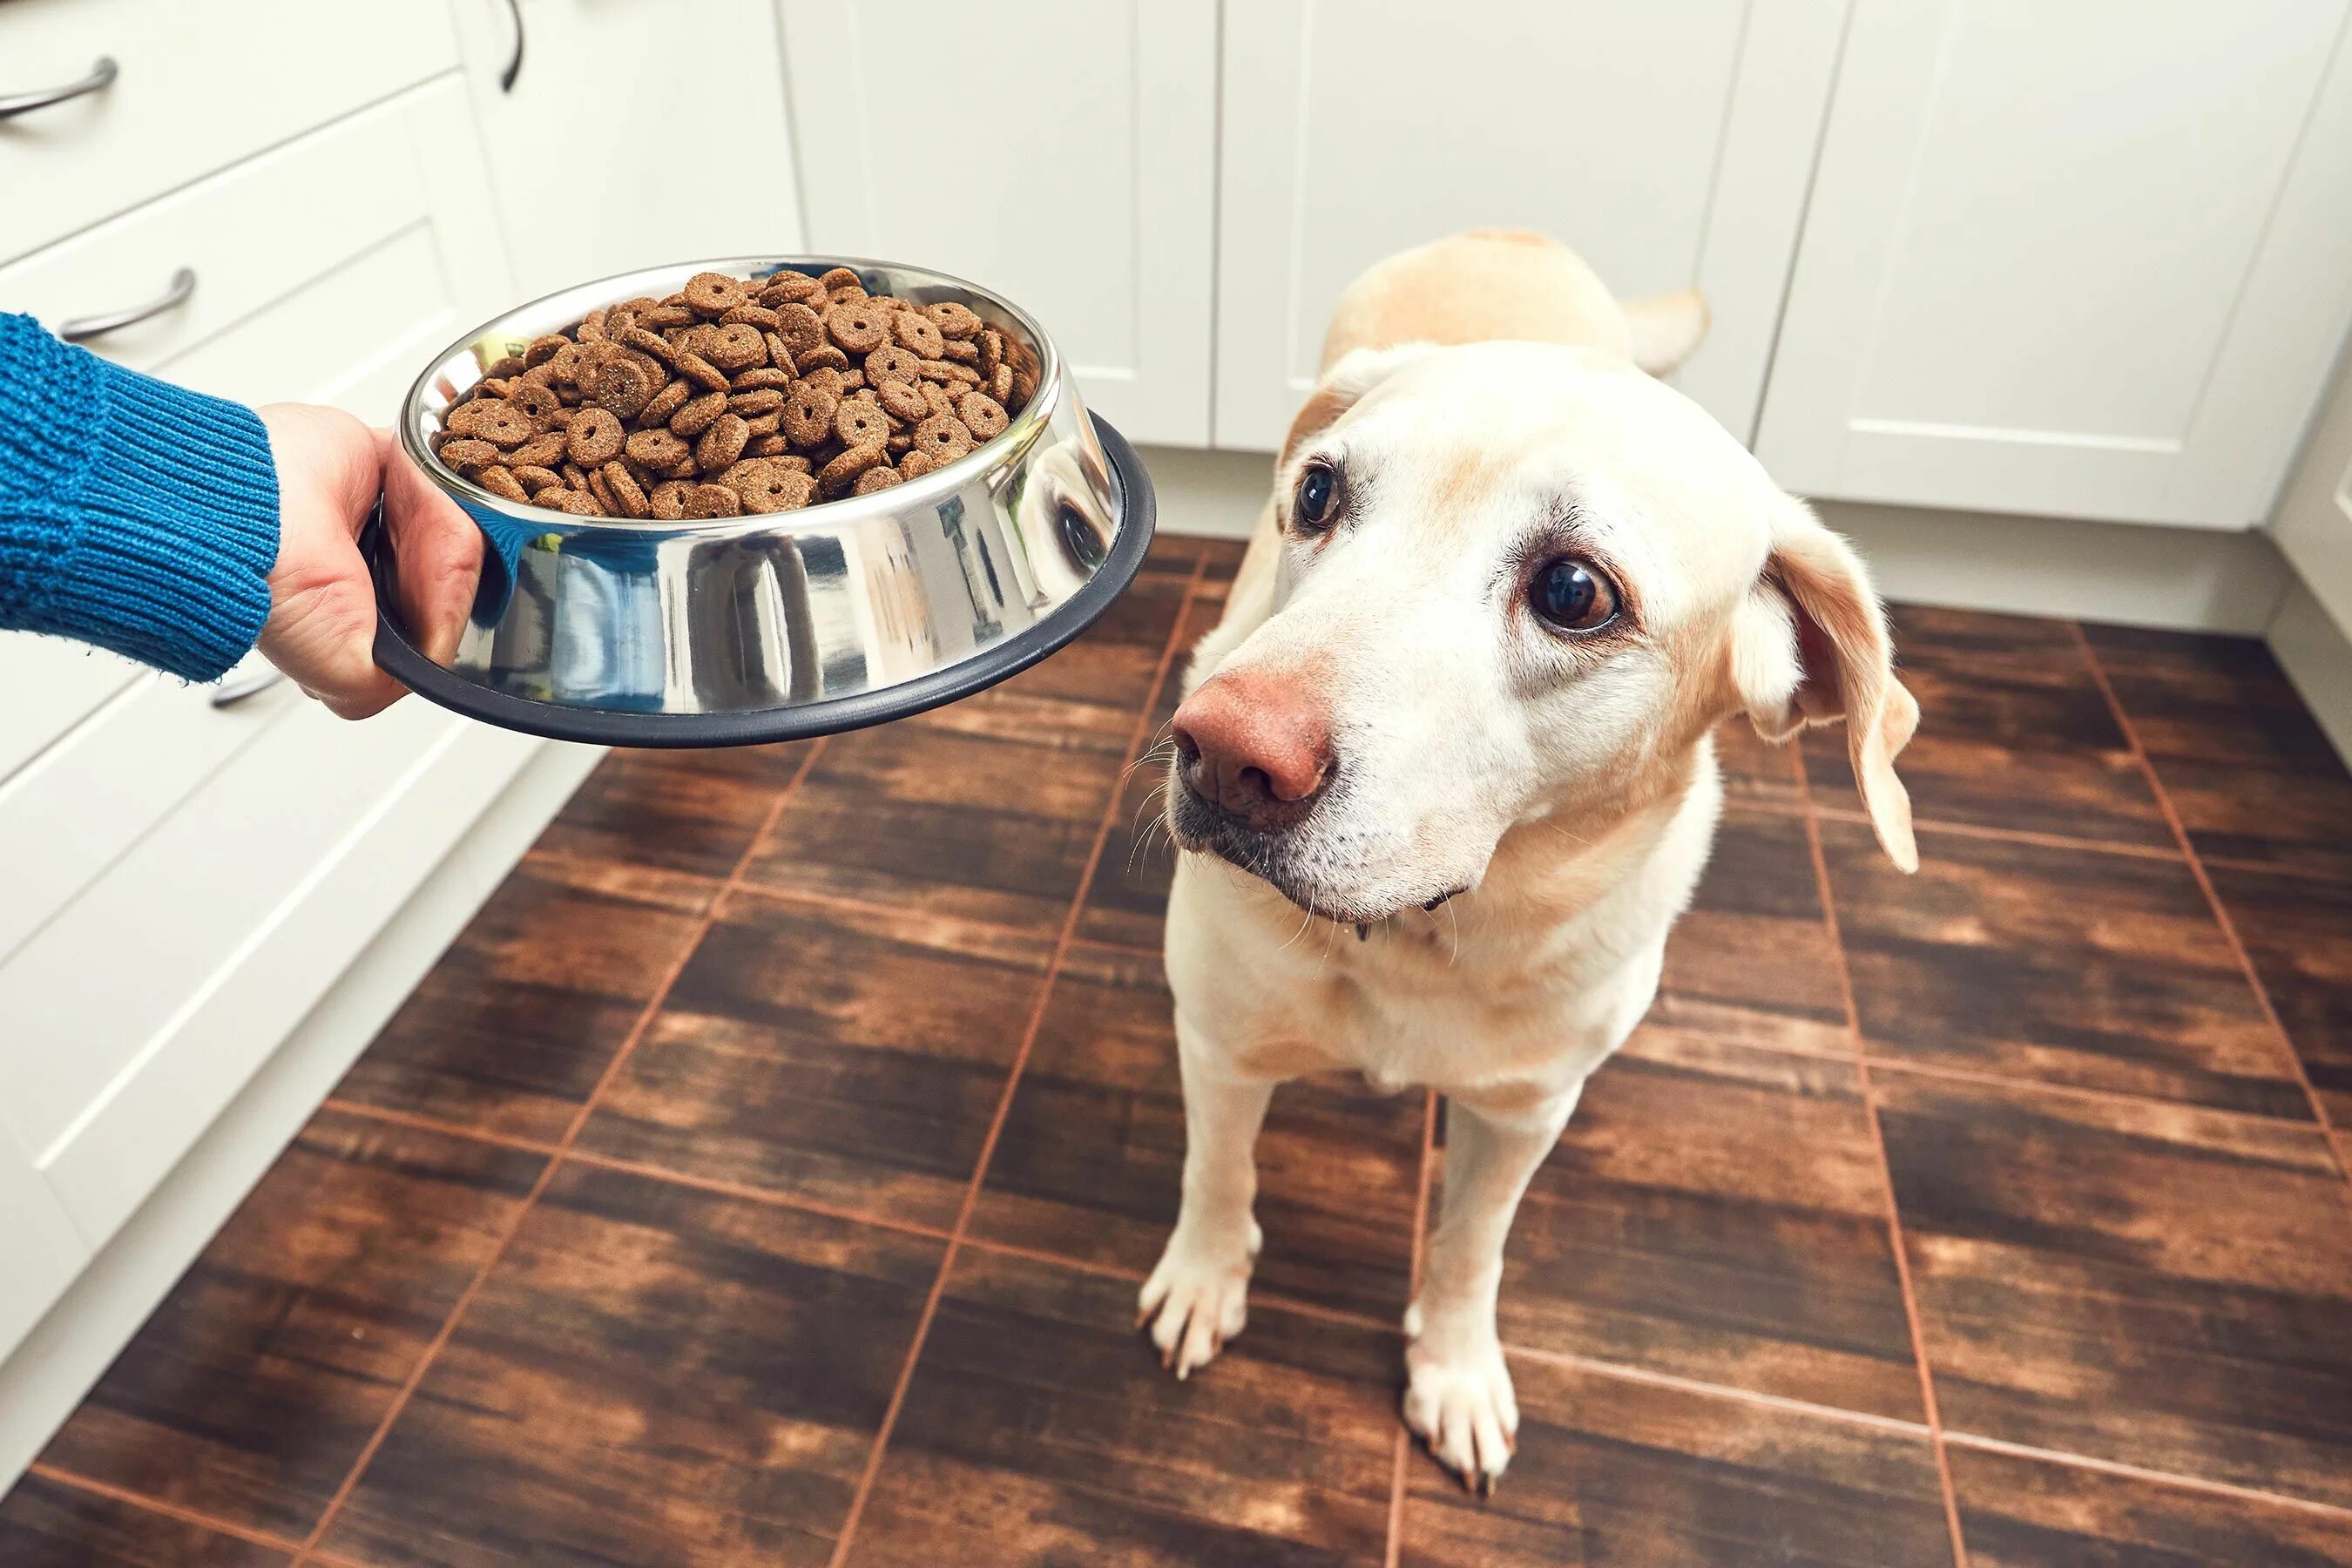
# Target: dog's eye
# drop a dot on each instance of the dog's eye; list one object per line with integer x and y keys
{"x": 1573, "y": 596}
{"x": 1318, "y": 499}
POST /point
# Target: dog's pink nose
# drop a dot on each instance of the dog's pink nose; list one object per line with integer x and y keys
{"x": 1258, "y": 746}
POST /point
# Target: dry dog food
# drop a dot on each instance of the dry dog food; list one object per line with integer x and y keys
{"x": 734, "y": 397}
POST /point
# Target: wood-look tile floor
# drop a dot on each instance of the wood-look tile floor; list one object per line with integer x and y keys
{"x": 766, "y": 1174}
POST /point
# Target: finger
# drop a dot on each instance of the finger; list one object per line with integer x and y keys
{"x": 438, "y": 551}
{"x": 321, "y": 631}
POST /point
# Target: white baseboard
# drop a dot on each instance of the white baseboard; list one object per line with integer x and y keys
{"x": 2317, "y": 657}
{"x": 2182, "y": 578}
{"x": 55, "y": 1365}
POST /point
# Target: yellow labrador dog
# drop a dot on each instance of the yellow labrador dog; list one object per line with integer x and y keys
{"x": 1461, "y": 705}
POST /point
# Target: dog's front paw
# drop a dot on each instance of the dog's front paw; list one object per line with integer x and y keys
{"x": 1196, "y": 1299}
{"x": 1458, "y": 1399}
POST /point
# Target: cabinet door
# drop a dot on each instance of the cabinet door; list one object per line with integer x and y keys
{"x": 1060, "y": 153}
{"x": 2084, "y": 259}
{"x": 638, "y": 132}
{"x": 1668, "y": 144}
{"x": 40, "y": 1251}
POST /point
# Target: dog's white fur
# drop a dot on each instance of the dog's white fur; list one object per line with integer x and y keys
{"x": 1568, "y": 786}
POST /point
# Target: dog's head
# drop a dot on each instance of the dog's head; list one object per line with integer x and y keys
{"x": 1518, "y": 582}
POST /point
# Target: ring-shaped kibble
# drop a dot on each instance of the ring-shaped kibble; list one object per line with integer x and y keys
{"x": 801, "y": 328}
{"x": 859, "y": 327}
{"x": 721, "y": 444}
{"x": 881, "y": 477}
{"x": 981, "y": 415}
{"x": 574, "y": 476}
{"x": 666, "y": 501}
{"x": 808, "y": 415}
{"x": 562, "y": 497}
{"x": 901, "y": 399}
{"x": 937, "y": 396}
{"x": 991, "y": 351}
{"x": 1000, "y": 386}
{"x": 942, "y": 437}
{"x": 762, "y": 376}
{"x": 900, "y": 442}
{"x": 534, "y": 479}
{"x": 759, "y": 401}
{"x": 714, "y": 293}
{"x": 466, "y": 453}
{"x": 649, "y": 342}
{"x": 759, "y": 316}
{"x": 545, "y": 347}
{"x": 953, "y": 321}
{"x": 593, "y": 437}
{"x": 766, "y": 485}
{"x": 733, "y": 347}
{"x": 963, "y": 351}
{"x": 838, "y": 475}
{"x": 861, "y": 423}
{"x": 774, "y": 445}
{"x": 620, "y": 386}
{"x": 824, "y": 379}
{"x": 893, "y": 362}
{"x": 766, "y": 423}
{"x": 709, "y": 500}
{"x": 697, "y": 369}
{"x": 591, "y": 329}
{"x": 494, "y": 420}
{"x": 824, "y": 356}
{"x": 840, "y": 278}
{"x": 789, "y": 287}
{"x": 657, "y": 449}
{"x": 696, "y": 417}
{"x": 501, "y": 482}
{"x": 603, "y": 493}
{"x": 918, "y": 334}
{"x": 664, "y": 316}
{"x": 537, "y": 400}
{"x": 915, "y": 465}
{"x": 665, "y": 402}
{"x": 491, "y": 386}
{"x": 629, "y": 499}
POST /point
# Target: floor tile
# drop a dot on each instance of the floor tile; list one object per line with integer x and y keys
{"x": 1751, "y": 960}
{"x": 2072, "y": 966}
{"x": 1757, "y": 772}
{"x": 45, "y": 1525}
{"x": 2139, "y": 1282}
{"x": 1609, "y": 1470}
{"x": 2019, "y": 1512}
{"x": 1718, "y": 1213}
{"x": 986, "y": 810}
{"x": 1092, "y": 1154}
{"x": 512, "y": 1027}
{"x": 2013, "y": 732}
{"x": 848, "y": 1056}
{"x": 1113, "y": 663}
{"x": 2298, "y": 932}
{"x": 692, "y": 811}
{"x": 260, "y": 1380}
{"x": 652, "y": 1374}
{"x": 1040, "y": 1428}
{"x": 2246, "y": 765}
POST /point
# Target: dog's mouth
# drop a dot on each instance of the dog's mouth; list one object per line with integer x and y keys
{"x": 1285, "y": 859}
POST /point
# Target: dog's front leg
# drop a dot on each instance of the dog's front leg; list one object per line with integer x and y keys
{"x": 1198, "y": 1296}
{"x": 1458, "y": 1392}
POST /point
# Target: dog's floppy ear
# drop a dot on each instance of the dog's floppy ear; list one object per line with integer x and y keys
{"x": 1809, "y": 645}
{"x": 1668, "y": 328}
{"x": 1355, "y": 373}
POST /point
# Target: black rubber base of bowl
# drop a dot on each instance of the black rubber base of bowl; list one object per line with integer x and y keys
{"x": 601, "y": 727}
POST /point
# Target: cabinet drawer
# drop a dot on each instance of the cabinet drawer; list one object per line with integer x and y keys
{"x": 46, "y": 686}
{"x": 197, "y": 88}
{"x": 330, "y": 269}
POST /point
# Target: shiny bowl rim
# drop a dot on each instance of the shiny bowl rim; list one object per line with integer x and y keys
{"x": 1023, "y": 431}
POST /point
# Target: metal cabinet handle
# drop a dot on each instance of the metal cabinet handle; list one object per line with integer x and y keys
{"x": 81, "y": 329}
{"x": 514, "y": 66}
{"x": 101, "y": 74}
{"x": 229, "y": 693}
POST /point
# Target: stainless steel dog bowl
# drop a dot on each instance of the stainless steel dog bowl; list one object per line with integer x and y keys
{"x": 750, "y": 629}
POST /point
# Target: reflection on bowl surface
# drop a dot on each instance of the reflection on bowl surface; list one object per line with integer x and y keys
{"x": 762, "y": 627}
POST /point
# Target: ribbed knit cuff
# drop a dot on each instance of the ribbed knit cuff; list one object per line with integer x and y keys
{"x": 170, "y": 564}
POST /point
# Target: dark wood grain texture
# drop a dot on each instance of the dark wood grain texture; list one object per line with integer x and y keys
{"x": 852, "y": 1057}
{"x": 2021, "y": 1513}
{"x": 1039, "y": 1428}
{"x": 691, "y": 811}
{"x": 2244, "y": 762}
{"x": 259, "y": 1381}
{"x": 45, "y": 1525}
{"x": 512, "y": 1028}
{"x": 1757, "y": 772}
{"x": 2297, "y": 931}
{"x": 1718, "y": 1211}
{"x": 1753, "y": 959}
{"x": 2097, "y": 970}
{"x": 652, "y": 1375}
{"x": 2139, "y": 1282}
{"x": 1609, "y": 1470}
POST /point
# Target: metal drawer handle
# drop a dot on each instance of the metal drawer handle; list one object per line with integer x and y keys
{"x": 84, "y": 327}
{"x": 514, "y": 66}
{"x": 229, "y": 693}
{"x": 101, "y": 74}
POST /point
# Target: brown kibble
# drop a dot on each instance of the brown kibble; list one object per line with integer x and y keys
{"x": 768, "y": 484}
{"x": 500, "y": 481}
{"x": 722, "y": 444}
{"x": 563, "y": 499}
{"x": 915, "y": 465}
{"x": 953, "y": 321}
{"x": 545, "y": 348}
{"x": 592, "y": 329}
{"x": 667, "y": 500}
{"x": 879, "y": 478}
{"x": 621, "y": 387}
{"x": 901, "y": 399}
{"x": 660, "y": 450}
{"x": 999, "y": 384}
{"x": 700, "y": 371}
{"x": 760, "y": 376}
{"x": 767, "y": 423}
{"x": 937, "y": 396}
{"x": 837, "y": 475}
{"x": 859, "y": 423}
{"x": 942, "y": 437}
{"x": 789, "y": 287}
{"x": 538, "y": 400}
{"x": 534, "y": 479}
{"x": 840, "y": 278}
{"x": 774, "y": 445}
{"x": 465, "y": 454}
{"x": 893, "y": 363}
{"x": 918, "y": 334}
{"x": 964, "y": 351}
{"x": 494, "y": 420}
{"x": 602, "y": 492}
{"x": 758, "y": 316}
{"x": 652, "y": 343}
{"x": 800, "y": 328}
{"x": 824, "y": 356}
{"x": 622, "y": 486}
{"x": 574, "y": 477}
{"x": 737, "y": 346}
{"x": 981, "y": 415}
{"x": 593, "y": 438}
{"x": 756, "y": 402}
{"x": 808, "y": 415}
{"x": 715, "y": 293}
{"x": 698, "y": 414}
{"x": 709, "y": 500}
{"x": 859, "y": 327}
{"x": 827, "y": 380}
{"x": 665, "y": 402}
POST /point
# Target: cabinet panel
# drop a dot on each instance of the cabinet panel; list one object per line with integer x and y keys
{"x": 42, "y": 1250}
{"x": 638, "y": 132}
{"x": 1353, "y": 132}
{"x": 2064, "y": 259}
{"x": 46, "y": 686}
{"x": 1068, "y": 165}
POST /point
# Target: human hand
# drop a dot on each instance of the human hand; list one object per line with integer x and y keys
{"x": 322, "y": 609}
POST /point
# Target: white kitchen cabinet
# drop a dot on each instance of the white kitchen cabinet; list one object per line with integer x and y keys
{"x": 39, "y": 1244}
{"x": 638, "y": 132}
{"x": 1061, "y": 153}
{"x": 2087, "y": 259}
{"x": 1669, "y": 144}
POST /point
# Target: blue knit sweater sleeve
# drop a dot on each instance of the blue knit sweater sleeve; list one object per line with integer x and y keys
{"x": 133, "y": 514}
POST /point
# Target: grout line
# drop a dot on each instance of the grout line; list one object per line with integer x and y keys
{"x": 767, "y": 1196}
{"x": 1695, "y": 1386}
{"x": 2011, "y": 836}
{"x": 2077, "y": 1092}
{"x": 1886, "y": 1174}
{"x": 308, "y": 1553}
{"x": 365, "y": 1112}
{"x": 140, "y": 1501}
{"x": 2213, "y": 900}
{"x": 2289, "y": 868}
{"x": 1012, "y": 1086}
{"x": 1402, "y": 1440}
{"x": 895, "y": 912}
{"x": 2141, "y": 1473}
